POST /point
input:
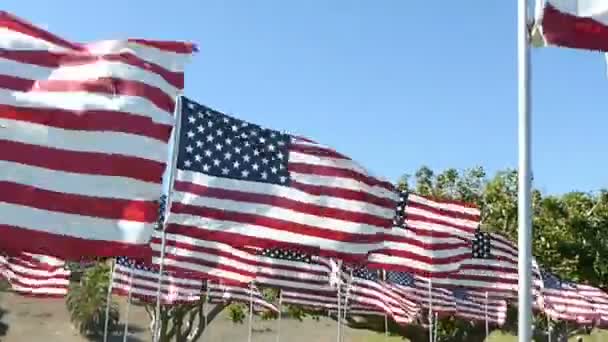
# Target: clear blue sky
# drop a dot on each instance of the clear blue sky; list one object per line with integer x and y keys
{"x": 395, "y": 84}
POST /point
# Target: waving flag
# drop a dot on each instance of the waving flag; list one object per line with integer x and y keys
{"x": 83, "y": 139}
{"x": 579, "y": 24}
{"x": 479, "y": 308}
{"x": 35, "y": 274}
{"x": 429, "y": 236}
{"x": 561, "y": 300}
{"x": 599, "y": 300}
{"x": 244, "y": 185}
{"x": 416, "y": 290}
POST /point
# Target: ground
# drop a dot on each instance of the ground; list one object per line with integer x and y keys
{"x": 47, "y": 320}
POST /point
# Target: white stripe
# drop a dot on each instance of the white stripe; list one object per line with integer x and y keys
{"x": 342, "y": 183}
{"x": 436, "y": 227}
{"x": 79, "y": 184}
{"x": 282, "y": 192}
{"x": 449, "y": 220}
{"x": 458, "y": 208}
{"x": 39, "y": 291}
{"x": 277, "y": 213}
{"x": 345, "y": 164}
{"x": 73, "y": 225}
{"x": 83, "y": 101}
{"x": 86, "y": 72}
{"x": 13, "y": 40}
{"x": 412, "y": 264}
{"x": 83, "y": 141}
{"x": 251, "y": 230}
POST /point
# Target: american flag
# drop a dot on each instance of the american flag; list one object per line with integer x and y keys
{"x": 491, "y": 267}
{"x": 244, "y": 293}
{"x": 472, "y": 306}
{"x": 245, "y": 185}
{"x": 599, "y": 300}
{"x": 416, "y": 289}
{"x": 101, "y": 115}
{"x": 561, "y": 300}
{"x": 141, "y": 280}
{"x": 365, "y": 287}
{"x": 429, "y": 236}
{"x": 35, "y": 274}
{"x": 324, "y": 300}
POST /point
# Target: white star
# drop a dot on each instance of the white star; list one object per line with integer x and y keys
{"x": 199, "y": 143}
{"x": 227, "y": 155}
{"x": 264, "y": 175}
{"x": 283, "y": 179}
{"x": 206, "y": 167}
{"x": 244, "y": 136}
{"x": 236, "y": 164}
{"x": 218, "y": 146}
{"x": 271, "y": 147}
{"x": 216, "y": 162}
{"x": 262, "y": 140}
{"x": 244, "y": 124}
{"x": 253, "y": 133}
{"x": 228, "y": 141}
{"x": 189, "y": 149}
{"x": 255, "y": 166}
{"x": 190, "y": 134}
{"x": 280, "y": 143}
{"x": 273, "y": 135}
{"x": 187, "y": 163}
{"x": 245, "y": 173}
{"x": 208, "y": 153}
{"x": 210, "y": 138}
{"x": 280, "y": 155}
{"x": 264, "y": 161}
{"x": 256, "y": 152}
{"x": 237, "y": 150}
{"x": 226, "y": 120}
{"x": 246, "y": 158}
{"x": 234, "y": 128}
{"x": 190, "y": 105}
{"x": 209, "y": 123}
{"x": 197, "y": 158}
{"x": 200, "y": 128}
{"x": 225, "y": 171}
{"x": 219, "y": 132}
{"x": 247, "y": 144}
{"x": 273, "y": 169}
{"x": 191, "y": 119}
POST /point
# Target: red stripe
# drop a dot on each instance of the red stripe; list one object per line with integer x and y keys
{"x": 60, "y": 59}
{"x": 82, "y": 162}
{"x": 354, "y": 195}
{"x": 330, "y": 171}
{"x": 272, "y": 223}
{"x": 107, "y": 208}
{"x": 450, "y": 201}
{"x": 281, "y": 202}
{"x": 104, "y": 85}
{"x": 431, "y": 260}
{"x": 235, "y": 239}
{"x": 171, "y": 46}
{"x": 446, "y": 214}
{"x": 17, "y": 24}
{"x": 317, "y": 151}
{"x": 440, "y": 221}
{"x": 89, "y": 120}
{"x": 18, "y": 239}
{"x": 567, "y": 30}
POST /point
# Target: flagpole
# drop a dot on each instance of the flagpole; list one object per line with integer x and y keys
{"x": 250, "y": 333}
{"x": 339, "y": 315}
{"x": 108, "y": 303}
{"x": 430, "y": 311}
{"x": 128, "y": 309}
{"x": 385, "y": 315}
{"x": 280, "y": 315}
{"x": 436, "y": 327}
{"x": 486, "y": 316}
{"x": 170, "y": 181}
{"x": 524, "y": 213}
{"x": 549, "y": 332}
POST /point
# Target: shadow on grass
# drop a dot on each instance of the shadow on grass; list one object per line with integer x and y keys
{"x": 117, "y": 335}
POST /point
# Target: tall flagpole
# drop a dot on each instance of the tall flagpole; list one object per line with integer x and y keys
{"x": 524, "y": 213}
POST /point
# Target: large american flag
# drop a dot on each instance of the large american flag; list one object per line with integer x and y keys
{"x": 365, "y": 288}
{"x": 35, "y": 274}
{"x": 101, "y": 115}
{"x": 475, "y": 307}
{"x": 561, "y": 300}
{"x": 245, "y": 185}
{"x": 429, "y": 236}
{"x": 416, "y": 289}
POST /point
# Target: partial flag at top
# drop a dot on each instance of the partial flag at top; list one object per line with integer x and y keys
{"x": 84, "y": 131}
{"x": 245, "y": 185}
{"x": 578, "y": 24}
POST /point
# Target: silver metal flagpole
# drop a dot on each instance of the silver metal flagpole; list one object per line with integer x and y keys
{"x": 430, "y": 310}
{"x": 339, "y": 315}
{"x": 172, "y": 170}
{"x": 436, "y": 327}
{"x": 486, "y": 314}
{"x": 385, "y": 315}
{"x": 549, "y": 330}
{"x": 108, "y": 303}
{"x": 280, "y": 315}
{"x": 125, "y": 334}
{"x": 524, "y": 213}
{"x": 250, "y": 333}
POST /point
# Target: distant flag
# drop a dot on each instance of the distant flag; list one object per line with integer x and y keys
{"x": 429, "y": 236}
{"x": 599, "y": 300}
{"x": 141, "y": 279}
{"x": 561, "y": 300}
{"x": 245, "y": 185}
{"x": 576, "y": 24}
{"x": 35, "y": 274}
{"x": 84, "y": 131}
{"x": 416, "y": 289}
{"x": 475, "y": 307}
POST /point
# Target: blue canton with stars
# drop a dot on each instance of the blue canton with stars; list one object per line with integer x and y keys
{"x": 482, "y": 245}
{"x": 400, "y": 278}
{"x": 365, "y": 273}
{"x": 460, "y": 294}
{"x": 551, "y": 281}
{"x": 287, "y": 254}
{"x": 132, "y": 263}
{"x": 222, "y": 146}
